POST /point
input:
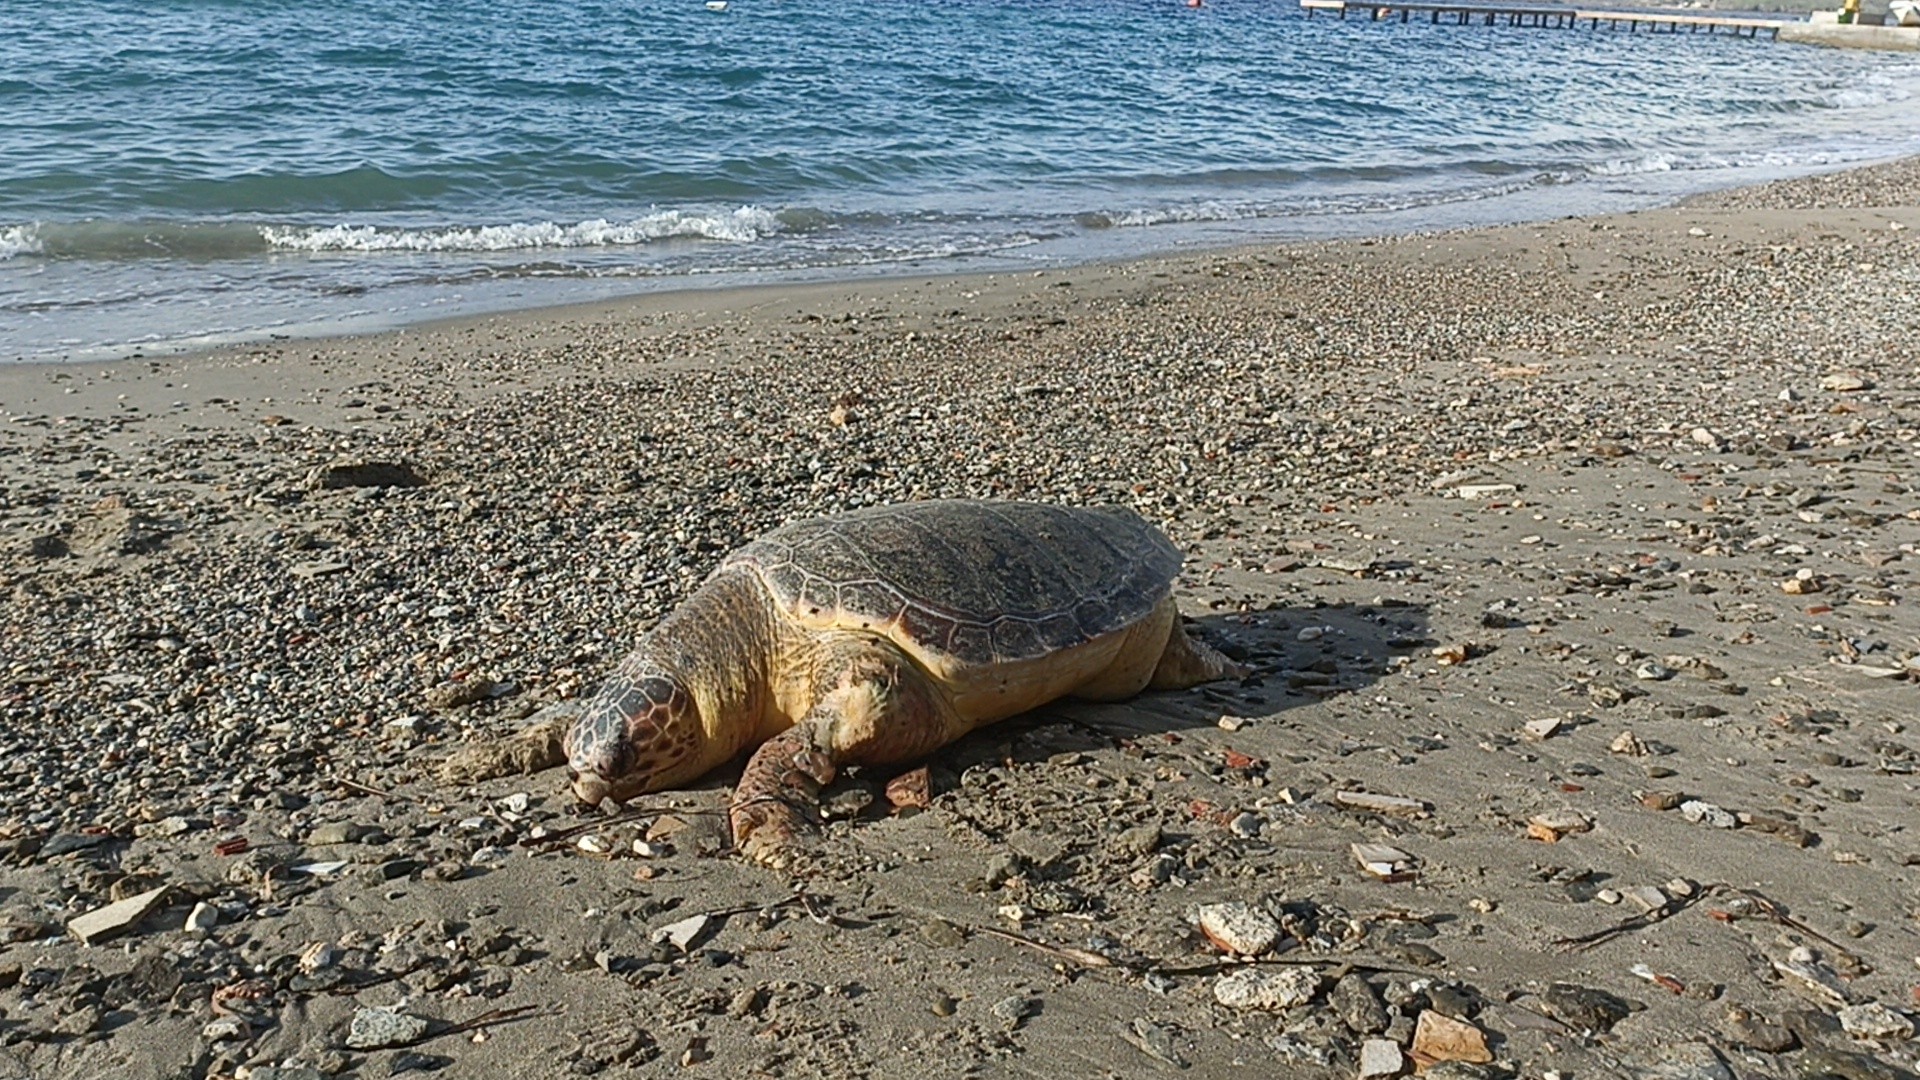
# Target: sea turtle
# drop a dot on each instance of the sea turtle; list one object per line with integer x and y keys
{"x": 871, "y": 637}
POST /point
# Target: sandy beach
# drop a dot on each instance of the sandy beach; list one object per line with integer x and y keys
{"x": 1574, "y": 559}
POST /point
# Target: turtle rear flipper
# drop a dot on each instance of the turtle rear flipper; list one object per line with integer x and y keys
{"x": 535, "y": 747}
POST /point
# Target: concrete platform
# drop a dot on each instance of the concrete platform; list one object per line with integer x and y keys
{"x": 1887, "y": 38}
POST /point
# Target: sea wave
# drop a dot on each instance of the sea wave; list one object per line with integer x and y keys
{"x": 19, "y": 240}
{"x": 741, "y": 225}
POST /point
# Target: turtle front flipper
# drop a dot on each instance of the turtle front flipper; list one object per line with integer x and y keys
{"x": 777, "y": 802}
{"x": 872, "y": 706}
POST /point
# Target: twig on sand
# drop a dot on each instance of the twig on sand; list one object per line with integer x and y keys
{"x": 1061, "y": 952}
{"x": 560, "y": 836}
{"x": 1665, "y": 911}
{"x": 485, "y": 1020}
{"x": 378, "y": 793}
{"x": 1744, "y": 903}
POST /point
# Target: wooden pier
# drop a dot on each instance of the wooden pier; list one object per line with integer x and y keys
{"x": 1550, "y": 17}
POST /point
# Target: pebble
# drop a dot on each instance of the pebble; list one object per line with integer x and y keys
{"x": 1266, "y": 988}
{"x": 1584, "y": 1008}
{"x": 1016, "y": 1009}
{"x": 1355, "y": 1003}
{"x": 377, "y": 1029}
{"x": 1706, "y": 813}
{"x": 202, "y": 919}
{"x": 1381, "y": 1058}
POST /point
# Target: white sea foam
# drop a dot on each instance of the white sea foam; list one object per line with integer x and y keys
{"x": 1650, "y": 163}
{"x": 19, "y": 240}
{"x": 742, "y": 225}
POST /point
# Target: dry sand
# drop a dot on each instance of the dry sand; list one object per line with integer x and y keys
{"x": 1600, "y": 530}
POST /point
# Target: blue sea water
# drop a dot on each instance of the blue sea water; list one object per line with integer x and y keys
{"x": 183, "y": 172}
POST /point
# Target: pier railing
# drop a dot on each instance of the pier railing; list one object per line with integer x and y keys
{"x": 1549, "y": 17}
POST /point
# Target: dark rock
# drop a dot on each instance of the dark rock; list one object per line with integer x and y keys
{"x": 411, "y": 1061}
{"x": 1355, "y": 1003}
{"x": 1586, "y": 1009}
{"x": 1746, "y": 1031}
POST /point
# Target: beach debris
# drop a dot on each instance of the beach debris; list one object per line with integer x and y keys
{"x": 1438, "y": 1037}
{"x": 682, "y": 934}
{"x": 1872, "y": 1020}
{"x": 1381, "y": 1058}
{"x": 1664, "y": 982}
{"x": 1807, "y": 973}
{"x": 1266, "y": 988}
{"x": 1452, "y": 654}
{"x": 1543, "y": 728}
{"x": 379, "y": 1029}
{"x": 1484, "y": 491}
{"x": 1238, "y": 929}
{"x": 1393, "y": 805}
{"x": 104, "y": 922}
{"x": 328, "y": 866}
{"x": 1384, "y": 861}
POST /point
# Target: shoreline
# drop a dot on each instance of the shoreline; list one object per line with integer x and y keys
{"x": 1598, "y": 539}
{"x": 1601, "y": 194}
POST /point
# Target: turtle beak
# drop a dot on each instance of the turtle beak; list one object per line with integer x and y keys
{"x": 591, "y": 788}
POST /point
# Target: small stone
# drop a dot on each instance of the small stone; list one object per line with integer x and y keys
{"x": 1584, "y": 1008}
{"x": 1266, "y": 988}
{"x": 1706, "y": 813}
{"x": 1015, "y": 1010}
{"x": 335, "y": 832}
{"x": 1438, "y": 1037}
{"x": 1747, "y": 1031}
{"x": 1381, "y": 1058}
{"x": 1627, "y": 744}
{"x": 942, "y": 934}
{"x": 1844, "y": 382}
{"x": 202, "y": 919}
{"x": 1137, "y": 841}
{"x": 377, "y": 1029}
{"x": 1872, "y": 1020}
{"x": 1354, "y": 1001}
{"x": 1554, "y": 824}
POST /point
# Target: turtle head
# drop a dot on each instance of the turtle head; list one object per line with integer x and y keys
{"x": 636, "y": 735}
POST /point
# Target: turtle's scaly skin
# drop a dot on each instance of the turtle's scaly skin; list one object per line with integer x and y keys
{"x": 879, "y": 636}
